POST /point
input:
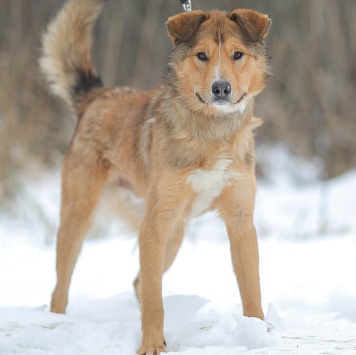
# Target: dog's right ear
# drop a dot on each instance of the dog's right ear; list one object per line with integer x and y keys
{"x": 182, "y": 27}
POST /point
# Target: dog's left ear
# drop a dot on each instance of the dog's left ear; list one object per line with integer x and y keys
{"x": 253, "y": 23}
{"x": 182, "y": 27}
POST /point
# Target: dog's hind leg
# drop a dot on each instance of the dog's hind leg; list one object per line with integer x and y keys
{"x": 82, "y": 184}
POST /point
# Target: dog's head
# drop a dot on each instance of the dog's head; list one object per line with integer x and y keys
{"x": 219, "y": 60}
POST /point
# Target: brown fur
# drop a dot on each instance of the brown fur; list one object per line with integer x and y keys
{"x": 173, "y": 146}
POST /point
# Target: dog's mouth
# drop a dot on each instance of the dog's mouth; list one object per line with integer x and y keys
{"x": 199, "y": 98}
{"x": 220, "y": 102}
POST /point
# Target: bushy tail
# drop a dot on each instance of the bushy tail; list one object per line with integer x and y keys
{"x": 66, "y": 52}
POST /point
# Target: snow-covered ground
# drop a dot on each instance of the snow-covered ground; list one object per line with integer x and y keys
{"x": 308, "y": 262}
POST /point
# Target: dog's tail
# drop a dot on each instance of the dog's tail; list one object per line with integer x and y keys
{"x": 66, "y": 52}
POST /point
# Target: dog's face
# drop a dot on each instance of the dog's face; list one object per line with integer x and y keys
{"x": 219, "y": 60}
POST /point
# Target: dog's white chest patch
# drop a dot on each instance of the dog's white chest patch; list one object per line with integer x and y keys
{"x": 208, "y": 184}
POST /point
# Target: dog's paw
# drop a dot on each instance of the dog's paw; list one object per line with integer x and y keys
{"x": 151, "y": 350}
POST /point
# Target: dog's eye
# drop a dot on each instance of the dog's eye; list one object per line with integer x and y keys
{"x": 238, "y": 55}
{"x": 202, "y": 56}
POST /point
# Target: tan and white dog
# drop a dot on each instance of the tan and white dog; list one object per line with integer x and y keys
{"x": 186, "y": 147}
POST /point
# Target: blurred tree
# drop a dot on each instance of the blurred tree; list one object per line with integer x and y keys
{"x": 309, "y": 105}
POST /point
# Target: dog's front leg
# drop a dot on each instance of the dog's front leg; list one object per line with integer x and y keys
{"x": 173, "y": 244}
{"x": 236, "y": 208}
{"x": 155, "y": 230}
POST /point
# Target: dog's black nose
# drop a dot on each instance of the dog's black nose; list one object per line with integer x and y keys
{"x": 221, "y": 89}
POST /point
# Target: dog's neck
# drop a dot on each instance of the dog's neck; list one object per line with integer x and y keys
{"x": 193, "y": 136}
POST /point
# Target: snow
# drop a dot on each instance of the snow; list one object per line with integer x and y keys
{"x": 307, "y": 264}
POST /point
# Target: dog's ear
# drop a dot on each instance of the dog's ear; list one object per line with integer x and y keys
{"x": 253, "y": 23}
{"x": 182, "y": 27}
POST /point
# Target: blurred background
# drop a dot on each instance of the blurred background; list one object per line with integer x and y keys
{"x": 308, "y": 106}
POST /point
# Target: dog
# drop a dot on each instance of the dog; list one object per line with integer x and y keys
{"x": 185, "y": 147}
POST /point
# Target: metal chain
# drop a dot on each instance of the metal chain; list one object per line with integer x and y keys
{"x": 187, "y": 5}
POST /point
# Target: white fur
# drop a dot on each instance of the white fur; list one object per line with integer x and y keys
{"x": 217, "y": 74}
{"x": 220, "y": 45}
{"x": 208, "y": 184}
{"x": 231, "y": 108}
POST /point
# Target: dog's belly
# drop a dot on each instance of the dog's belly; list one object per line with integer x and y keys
{"x": 209, "y": 184}
{"x": 119, "y": 200}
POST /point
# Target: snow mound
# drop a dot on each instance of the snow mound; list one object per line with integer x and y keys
{"x": 114, "y": 328}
